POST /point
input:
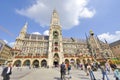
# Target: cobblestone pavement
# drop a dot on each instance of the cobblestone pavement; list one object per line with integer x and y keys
{"x": 52, "y": 74}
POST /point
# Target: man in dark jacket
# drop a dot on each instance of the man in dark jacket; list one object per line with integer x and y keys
{"x": 62, "y": 71}
{"x": 7, "y": 72}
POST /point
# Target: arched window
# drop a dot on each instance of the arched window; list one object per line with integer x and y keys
{"x": 56, "y": 49}
{"x": 56, "y": 43}
{"x": 55, "y": 35}
{"x": 56, "y": 55}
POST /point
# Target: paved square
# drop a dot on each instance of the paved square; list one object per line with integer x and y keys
{"x": 51, "y": 74}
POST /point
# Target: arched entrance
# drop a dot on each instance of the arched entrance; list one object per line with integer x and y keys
{"x": 26, "y": 63}
{"x": 43, "y": 63}
{"x": 56, "y": 62}
{"x": 66, "y": 61}
{"x": 88, "y": 61}
{"x": 84, "y": 61}
{"x": 17, "y": 63}
{"x": 72, "y": 61}
{"x": 35, "y": 63}
{"x": 77, "y": 61}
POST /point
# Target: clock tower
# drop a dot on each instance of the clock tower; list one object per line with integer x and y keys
{"x": 55, "y": 52}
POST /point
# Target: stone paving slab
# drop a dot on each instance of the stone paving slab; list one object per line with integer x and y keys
{"x": 18, "y": 73}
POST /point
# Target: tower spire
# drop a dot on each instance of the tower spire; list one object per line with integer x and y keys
{"x": 91, "y": 32}
{"x": 55, "y": 18}
{"x": 24, "y": 29}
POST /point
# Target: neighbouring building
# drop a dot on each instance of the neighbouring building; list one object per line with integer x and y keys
{"x": 5, "y": 52}
{"x": 99, "y": 49}
{"x": 115, "y": 47}
{"x": 52, "y": 50}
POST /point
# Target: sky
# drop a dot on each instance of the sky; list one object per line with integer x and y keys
{"x": 77, "y": 18}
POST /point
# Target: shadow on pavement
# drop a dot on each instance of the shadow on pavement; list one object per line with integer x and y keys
{"x": 57, "y": 78}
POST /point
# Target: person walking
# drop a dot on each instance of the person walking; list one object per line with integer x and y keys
{"x": 69, "y": 68}
{"x": 7, "y": 71}
{"x": 116, "y": 73}
{"x": 91, "y": 72}
{"x": 85, "y": 67}
{"x": 63, "y": 71}
{"x": 104, "y": 73}
{"x": 107, "y": 66}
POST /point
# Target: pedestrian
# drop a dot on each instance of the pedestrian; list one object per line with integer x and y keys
{"x": 107, "y": 66}
{"x": 113, "y": 65}
{"x": 91, "y": 72}
{"x": 62, "y": 71}
{"x": 7, "y": 71}
{"x": 116, "y": 73}
{"x": 81, "y": 66}
{"x": 104, "y": 73}
{"x": 99, "y": 66}
{"x": 85, "y": 67}
{"x": 69, "y": 68}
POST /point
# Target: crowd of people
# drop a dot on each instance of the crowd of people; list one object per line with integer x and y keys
{"x": 89, "y": 69}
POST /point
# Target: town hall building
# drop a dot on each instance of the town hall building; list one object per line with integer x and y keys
{"x": 52, "y": 50}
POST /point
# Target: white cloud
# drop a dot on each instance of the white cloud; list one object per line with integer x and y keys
{"x": 36, "y": 33}
{"x": 46, "y": 32}
{"x": 110, "y": 37}
{"x": 6, "y": 41}
{"x": 11, "y": 44}
{"x": 86, "y": 13}
{"x": 70, "y": 11}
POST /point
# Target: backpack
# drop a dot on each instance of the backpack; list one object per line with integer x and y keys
{"x": 69, "y": 67}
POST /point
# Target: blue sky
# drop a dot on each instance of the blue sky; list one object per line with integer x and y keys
{"x": 77, "y": 17}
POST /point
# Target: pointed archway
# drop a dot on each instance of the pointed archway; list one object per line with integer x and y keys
{"x": 56, "y": 60}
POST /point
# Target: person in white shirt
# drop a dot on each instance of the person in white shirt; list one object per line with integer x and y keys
{"x": 7, "y": 71}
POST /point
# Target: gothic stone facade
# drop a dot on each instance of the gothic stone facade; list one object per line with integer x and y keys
{"x": 42, "y": 50}
{"x": 115, "y": 47}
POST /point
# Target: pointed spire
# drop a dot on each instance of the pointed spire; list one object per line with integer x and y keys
{"x": 55, "y": 18}
{"x": 106, "y": 41}
{"x": 24, "y": 29}
{"x": 97, "y": 38}
{"x": 91, "y": 32}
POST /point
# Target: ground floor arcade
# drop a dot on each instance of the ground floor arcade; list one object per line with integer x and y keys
{"x": 43, "y": 62}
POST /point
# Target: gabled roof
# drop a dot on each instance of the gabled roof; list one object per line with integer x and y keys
{"x": 115, "y": 43}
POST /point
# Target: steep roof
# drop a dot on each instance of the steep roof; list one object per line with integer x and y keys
{"x": 115, "y": 43}
{"x": 34, "y": 36}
